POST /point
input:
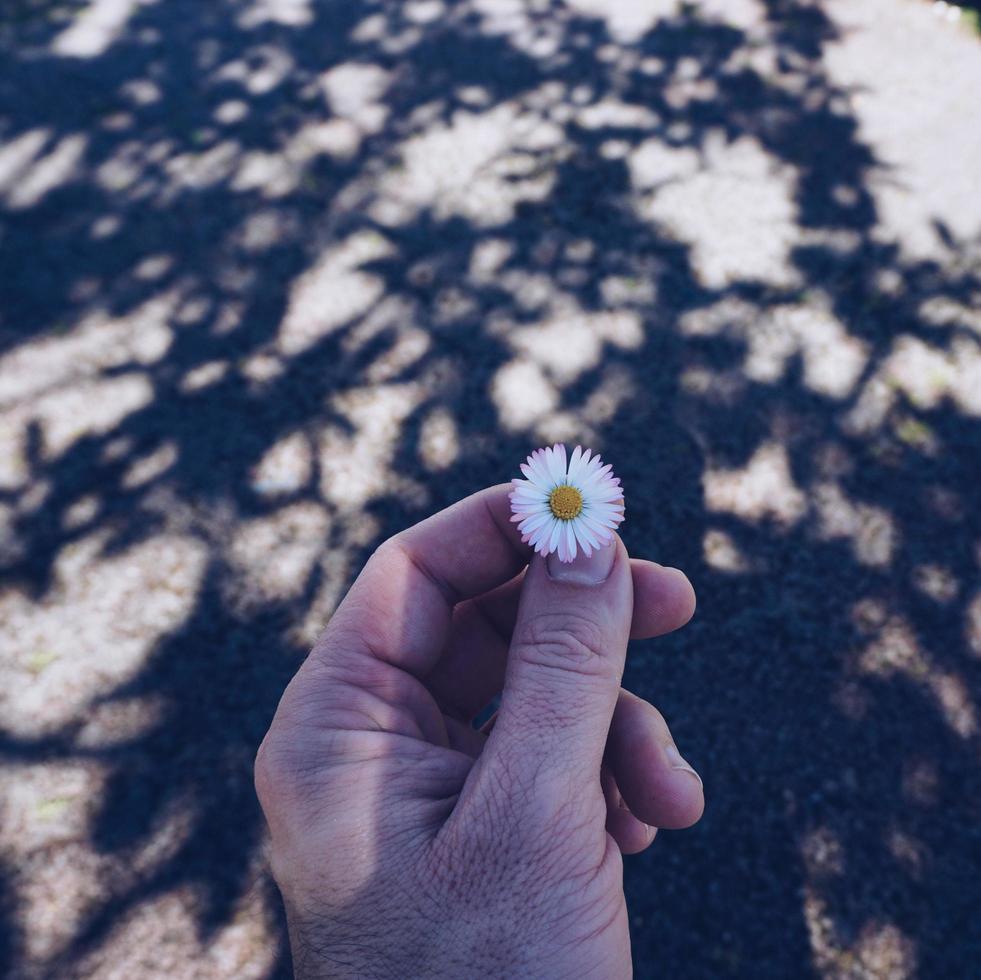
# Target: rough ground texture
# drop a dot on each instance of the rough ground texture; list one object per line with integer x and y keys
{"x": 279, "y": 278}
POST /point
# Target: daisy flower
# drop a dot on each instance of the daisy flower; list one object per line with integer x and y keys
{"x": 566, "y": 504}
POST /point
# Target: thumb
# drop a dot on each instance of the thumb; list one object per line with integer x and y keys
{"x": 563, "y": 674}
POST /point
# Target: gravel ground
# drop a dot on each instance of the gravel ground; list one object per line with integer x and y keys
{"x": 279, "y": 278}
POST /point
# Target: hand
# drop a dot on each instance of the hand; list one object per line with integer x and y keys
{"x": 408, "y": 844}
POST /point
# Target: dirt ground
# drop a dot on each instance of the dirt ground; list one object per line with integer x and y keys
{"x": 280, "y": 277}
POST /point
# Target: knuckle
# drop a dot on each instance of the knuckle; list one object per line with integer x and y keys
{"x": 570, "y": 641}
{"x": 268, "y": 775}
{"x": 284, "y": 781}
{"x": 391, "y": 552}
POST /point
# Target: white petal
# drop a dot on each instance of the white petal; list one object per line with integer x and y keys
{"x": 529, "y": 493}
{"x": 580, "y": 532}
{"x": 585, "y": 535}
{"x": 605, "y": 495}
{"x": 534, "y": 522}
{"x": 573, "y": 473}
{"x": 600, "y": 529}
{"x": 536, "y": 471}
{"x": 556, "y": 465}
{"x": 553, "y": 541}
{"x": 604, "y": 509}
{"x": 570, "y": 542}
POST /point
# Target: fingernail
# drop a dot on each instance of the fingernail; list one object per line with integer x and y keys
{"x": 582, "y": 570}
{"x": 677, "y": 762}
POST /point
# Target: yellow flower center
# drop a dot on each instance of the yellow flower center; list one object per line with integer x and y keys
{"x": 565, "y": 502}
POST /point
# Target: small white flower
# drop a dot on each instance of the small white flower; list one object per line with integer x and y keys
{"x": 563, "y": 507}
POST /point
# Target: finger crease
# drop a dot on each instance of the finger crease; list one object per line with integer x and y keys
{"x": 449, "y": 594}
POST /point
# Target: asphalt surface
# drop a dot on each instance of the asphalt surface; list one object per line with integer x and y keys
{"x": 278, "y": 279}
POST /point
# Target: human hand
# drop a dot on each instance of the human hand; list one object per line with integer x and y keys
{"x": 406, "y": 843}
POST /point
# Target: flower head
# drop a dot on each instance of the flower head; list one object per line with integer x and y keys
{"x": 566, "y": 504}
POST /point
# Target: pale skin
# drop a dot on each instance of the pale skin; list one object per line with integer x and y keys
{"x": 408, "y": 844}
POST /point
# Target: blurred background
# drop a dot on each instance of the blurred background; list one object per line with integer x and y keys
{"x": 280, "y": 277}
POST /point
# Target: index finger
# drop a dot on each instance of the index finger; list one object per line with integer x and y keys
{"x": 400, "y": 607}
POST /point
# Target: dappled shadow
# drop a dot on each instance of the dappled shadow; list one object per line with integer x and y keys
{"x": 279, "y": 279}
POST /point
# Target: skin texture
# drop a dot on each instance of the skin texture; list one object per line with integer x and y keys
{"x": 406, "y": 843}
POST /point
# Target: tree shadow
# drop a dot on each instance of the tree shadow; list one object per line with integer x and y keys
{"x": 258, "y": 193}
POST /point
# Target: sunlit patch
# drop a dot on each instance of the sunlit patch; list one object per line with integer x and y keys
{"x": 81, "y": 512}
{"x": 718, "y": 387}
{"x": 879, "y": 950}
{"x": 972, "y": 625}
{"x": 150, "y": 467}
{"x": 356, "y": 92}
{"x": 423, "y": 11}
{"x": 721, "y": 552}
{"x": 489, "y": 255}
{"x": 823, "y": 853}
{"x": 629, "y": 290}
{"x": 121, "y": 721}
{"x": 65, "y": 415}
{"x": 92, "y": 408}
{"x": 153, "y": 267}
{"x": 871, "y": 530}
{"x": 480, "y": 166}
{"x": 203, "y": 376}
{"x": 355, "y": 460}
{"x": 58, "y": 167}
{"x": 626, "y": 20}
{"x": 734, "y": 205}
{"x": 611, "y": 113}
{"x": 351, "y": 534}
{"x": 273, "y": 175}
{"x": 410, "y": 345}
{"x": 937, "y": 582}
{"x": 231, "y": 112}
{"x": 142, "y": 91}
{"x": 286, "y": 467}
{"x": 266, "y": 68}
{"x": 45, "y": 805}
{"x": 586, "y": 421}
{"x": 911, "y": 854}
{"x": 121, "y": 171}
{"x": 895, "y": 650}
{"x": 927, "y": 374}
{"x": 763, "y": 488}
{"x": 102, "y": 617}
{"x": 655, "y": 163}
{"x": 262, "y": 368}
{"x": 522, "y": 394}
{"x": 273, "y": 556}
{"x": 333, "y": 292}
{"x": 17, "y": 156}
{"x": 290, "y": 13}
{"x": 573, "y": 342}
{"x": 915, "y": 188}
{"x": 207, "y": 168}
{"x": 946, "y": 311}
{"x": 14, "y": 466}
{"x": 337, "y": 138}
{"x": 105, "y": 226}
{"x": 95, "y": 28}
{"x": 833, "y": 359}
{"x": 264, "y": 229}
{"x": 439, "y": 444}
